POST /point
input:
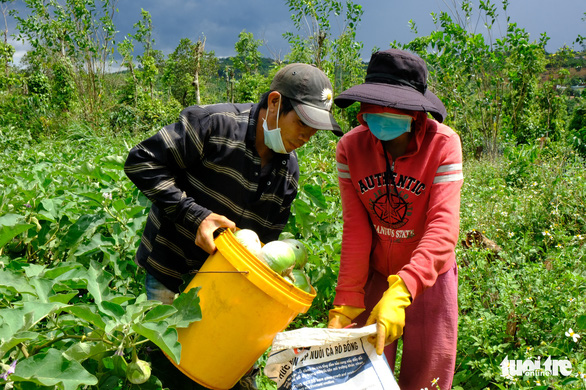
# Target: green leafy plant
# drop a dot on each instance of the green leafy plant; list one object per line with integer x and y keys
{"x": 522, "y": 302}
{"x": 577, "y": 129}
{"x": 62, "y": 322}
{"x": 491, "y": 85}
{"x": 72, "y": 307}
{"x": 316, "y": 221}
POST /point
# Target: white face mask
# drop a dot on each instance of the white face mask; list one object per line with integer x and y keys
{"x": 273, "y": 139}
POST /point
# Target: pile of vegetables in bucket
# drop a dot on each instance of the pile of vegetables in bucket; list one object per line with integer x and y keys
{"x": 286, "y": 257}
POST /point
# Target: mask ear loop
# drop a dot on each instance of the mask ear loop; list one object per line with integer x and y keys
{"x": 278, "y": 109}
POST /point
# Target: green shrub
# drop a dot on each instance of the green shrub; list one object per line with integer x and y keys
{"x": 63, "y": 85}
{"x": 142, "y": 114}
{"x": 577, "y": 129}
{"x": 38, "y": 84}
{"x": 520, "y": 303}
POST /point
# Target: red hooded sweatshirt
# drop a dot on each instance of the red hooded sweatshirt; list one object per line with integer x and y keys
{"x": 411, "y": 233}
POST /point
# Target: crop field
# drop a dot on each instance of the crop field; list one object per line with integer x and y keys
{"x": 73, "y": 310}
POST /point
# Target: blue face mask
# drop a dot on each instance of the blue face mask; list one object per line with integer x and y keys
{"x": 386, "y": 126}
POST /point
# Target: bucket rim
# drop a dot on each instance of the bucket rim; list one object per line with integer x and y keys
{"x": 262, "y": 275}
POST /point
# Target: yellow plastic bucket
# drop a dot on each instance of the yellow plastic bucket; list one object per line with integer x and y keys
{"x": 244, "y": 304}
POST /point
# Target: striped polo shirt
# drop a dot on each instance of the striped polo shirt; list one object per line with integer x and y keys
{"x": 207, "y": 162}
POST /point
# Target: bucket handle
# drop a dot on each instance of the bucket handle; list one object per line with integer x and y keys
{"x": 219, "y": 272}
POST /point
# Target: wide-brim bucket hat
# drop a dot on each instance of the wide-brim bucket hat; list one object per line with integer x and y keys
{"x": 396, "y": 79}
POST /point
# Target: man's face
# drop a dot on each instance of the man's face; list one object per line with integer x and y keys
{"x": 294, "y": 132}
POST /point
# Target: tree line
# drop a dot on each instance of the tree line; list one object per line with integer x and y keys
{"x": 497, "y": 89}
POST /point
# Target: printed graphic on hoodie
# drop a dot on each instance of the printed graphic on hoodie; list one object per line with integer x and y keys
{"x": 389, "y": 201}
{"x": 391, "y": 208}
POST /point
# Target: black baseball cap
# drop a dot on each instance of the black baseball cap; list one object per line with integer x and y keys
{"x": 310, "y": 92}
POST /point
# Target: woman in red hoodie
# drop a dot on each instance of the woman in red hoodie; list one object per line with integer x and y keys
{"x": 400, "y": 175}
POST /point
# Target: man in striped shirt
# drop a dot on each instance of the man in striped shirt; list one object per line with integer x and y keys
{"x": 224, "y": 166}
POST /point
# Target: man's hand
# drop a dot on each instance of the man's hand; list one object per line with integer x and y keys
{"x": 204, "y": 237}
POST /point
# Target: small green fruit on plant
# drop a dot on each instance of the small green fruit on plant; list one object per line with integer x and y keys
{"x": 138, "y": 371}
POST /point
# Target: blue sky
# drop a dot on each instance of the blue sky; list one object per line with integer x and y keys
{"x": 383, "y": 21}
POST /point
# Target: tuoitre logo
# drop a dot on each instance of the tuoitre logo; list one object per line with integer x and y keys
{"x": 549, "y": 367}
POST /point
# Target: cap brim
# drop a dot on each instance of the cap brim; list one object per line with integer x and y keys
{"x": 395, "y": 96}
{"x": 317, "y": 118}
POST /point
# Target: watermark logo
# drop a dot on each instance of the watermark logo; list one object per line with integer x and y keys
{"x": 549, "y": 367}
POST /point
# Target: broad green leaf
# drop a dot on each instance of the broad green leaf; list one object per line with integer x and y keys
{"x": 86, "y": 313}
{"x": 11, "y": 225}
{"x": 51, "y": 209}
{"x": 314, "y": 192}
{"x": 72, "y": 279}
{"x": 7, "y": 233}
{"x": 159, "y": 313}
{"x": 63, "y": 298}
{"x": 33, "y": 312}
{"x": 95, "y": 196}
{"x": 114, "y": 162}
{"x": 121, "y": 299}
{"x": 132, "y": 212}
{"x": 60, "y": 269}
{"x": 15, "y": 282}
{"x": 93, "y": 171}
{"x": 163, "y": 336}
{"x": 11, "y": 321}
{"x": 98, "y": 242}
{"x": 98, "y": 282}
{"x": 43, "y": 288}
{"x": 303, "y": 213}
{"x": 109, "y": 380}
{"x": 81, "y": 228}
{"x": 88, "y": 169}
{"x": 119, "y": 204}
{"x": 111, "y": 258}
{"x": 14, "y": 340}
{"x": 110, "y": 177}
{"x": 85, "y": 350}
{"x": 188, "y": 309}
{"x": 113, "y": 309}
{"x": 581, "y": 322}
{"x": 10, "y": 219}
{"x": 69, "y": 285}
{"x": 33, "y": 270}
{"x": 116, "y": 364}
{"x": 51, "y": 369}
{"x": 137, "y": 310}
{"x": 566, "y": 381}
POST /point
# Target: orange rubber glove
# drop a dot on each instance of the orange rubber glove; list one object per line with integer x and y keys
{"x": 389, "y": 314}
{"x": 342, "y": 316}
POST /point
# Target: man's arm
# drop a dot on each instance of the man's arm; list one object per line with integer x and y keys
{"x": 154, "y": 166}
